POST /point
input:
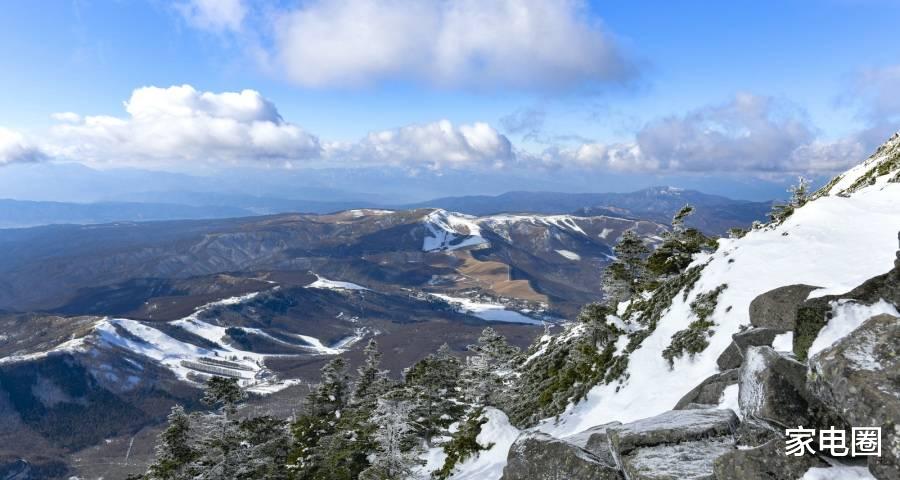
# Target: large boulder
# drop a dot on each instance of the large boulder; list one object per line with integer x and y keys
{"x": 538, "y": 456}
{"x": 709, "y": 392}
{"x": 733, "y": 356}
{"x": 778, "y": 308}
{"x": 859, "y": 378}
{"x": 679, "y": 444}
{"x": 773, "y": 389}
{"x": 765, "y": 462}
{"x": 596, "y": 441}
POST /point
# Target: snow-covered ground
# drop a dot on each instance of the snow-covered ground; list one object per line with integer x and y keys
{"x": 835, "y": 242}
{"x": 489, "y": 463}
{"x": 488, "y": 311}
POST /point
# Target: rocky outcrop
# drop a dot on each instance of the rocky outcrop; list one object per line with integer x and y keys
{"x": 709, "y": 392}
{"x": 859, "y": 379}
{"x": 596, "y": 441}
{"x": 766, "y": 462}
{"x": 538, "y": 456}
{"x": 680, "y": 444}
{"x": 777, "y": 308}
{"x": 733, "y": 356}
{"x": 814, "y": 314}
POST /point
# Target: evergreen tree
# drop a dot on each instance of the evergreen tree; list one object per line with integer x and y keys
{"x": 222, "y": 439}
{"x": 432, "y": 384}
{"x": 677, "y": 250}
{"x": 627, "y": 274}
{"x": 397, "y": 449}
{"x": 173, "y": 449}
{"x": 372, "y": 381}
{"x": 799, "y": 196}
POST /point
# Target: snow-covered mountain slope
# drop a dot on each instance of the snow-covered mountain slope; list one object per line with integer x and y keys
{"x": 448, "y": 231}
{"x": 843, "y": 237}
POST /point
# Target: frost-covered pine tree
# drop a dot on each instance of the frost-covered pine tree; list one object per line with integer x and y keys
{"x": 799, "y": 196}
{"x": 372, "y": 382}
{"x": 174, "y": 450}
{"x": 677, "y": 250}
{"x": 432, "y": 384}
{"x": 397, "y": 450}
{"x": 627, "y": 274}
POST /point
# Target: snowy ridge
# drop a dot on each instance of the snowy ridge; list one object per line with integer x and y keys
{"x": 451, "y": 231}
{"x": 836, "y": 242}
{"x": 447, "y": 231}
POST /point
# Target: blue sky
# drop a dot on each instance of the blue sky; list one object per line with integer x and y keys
{"x": 768, "y": 89}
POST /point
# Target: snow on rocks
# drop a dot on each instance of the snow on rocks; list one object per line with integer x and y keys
{"x": 847, "y": 316}
{"x": 488, "y": 464}
{"x": 835, "y": 242}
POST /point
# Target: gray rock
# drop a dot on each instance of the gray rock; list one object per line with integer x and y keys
{"x": 778, "y": 308}
{"x": 709, "y": 392}
{"x": 766, "y": 462}
{"x": 596, "y": 441}
{"x": 733, "y": 356}
{"x": 538, "y": 456}
{"x": 692, "y": 460}
{"x": 773, "y": 388}
{"x": 679, "y": 444}
{"x": 859, "y": 378}
{"x": 697, "y": 406}
{"x": 675, "y": 426}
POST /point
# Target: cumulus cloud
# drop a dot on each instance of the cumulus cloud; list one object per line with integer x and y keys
{"x": 507, "y": 43}
{"x": 750, "y": 133}
{"x": 436, "y": 146}
{"x": 14, "y": 148}
{"x": 180, "y": 123}
{"x": 216, "y": 16}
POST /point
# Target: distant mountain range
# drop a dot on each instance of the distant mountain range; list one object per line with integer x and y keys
{"x": 714, "y": 214}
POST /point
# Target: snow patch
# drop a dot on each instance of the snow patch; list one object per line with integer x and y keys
{"x": 488, "y": 311}
{"x": 449, "y": 231}
{"x": 848, "y": 316}
{"x": 569, "y": 254}
{"x": 837, "y": 472}
{"x": 325, "y": 283}
{"x": 783, "y": 342}
{"x": 488, "y": 465}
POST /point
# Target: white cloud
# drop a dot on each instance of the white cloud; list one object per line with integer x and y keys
{"x": 875, "y": 92}
{"x": 68, "y": 117}
{"x": 469, "y": 43}
{"x": 750, "y": 133}
{"x": 14, "y": 148}
{"x": 214, "y": 15}
{"x": 439, "y": 145}
{"x": 180, "y": 123}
